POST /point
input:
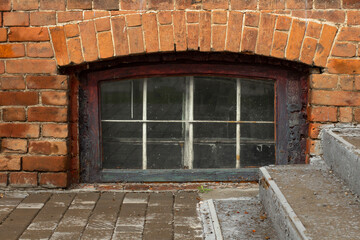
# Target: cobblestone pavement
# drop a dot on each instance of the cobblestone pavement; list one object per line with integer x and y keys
{"x": 99, "y": 215}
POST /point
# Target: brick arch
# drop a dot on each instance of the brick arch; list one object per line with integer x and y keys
{"x": 266, "y": 34}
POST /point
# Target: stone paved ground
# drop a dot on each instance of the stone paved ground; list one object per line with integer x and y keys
{"x": 99, "y": 215}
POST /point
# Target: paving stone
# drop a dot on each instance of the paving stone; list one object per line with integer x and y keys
{"x": 8, "y": 203}
{"x": 36, "y": 234}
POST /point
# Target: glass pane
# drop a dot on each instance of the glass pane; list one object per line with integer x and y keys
{"x": 215, "y": 130}
{"x": 257, "y": 155}
{"x": 214, "y": 98}
{"x": 165, "y": 131}
{"x": 165, "y": 156}
{"x": 122, "y": 155}
{"x": 256, "y": 132}
{"x": 165, "y": 98}
{"x": 214, "y": 155}
{"x": 121, "y": 100}
{"x": 121, "y": 130}
{"x": 257, "y": 100}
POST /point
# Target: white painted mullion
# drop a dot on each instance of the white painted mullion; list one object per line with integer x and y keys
{"x": 191, "y": 118}
{"x": 238, "y": 117}
{"x": 144, "y": 152}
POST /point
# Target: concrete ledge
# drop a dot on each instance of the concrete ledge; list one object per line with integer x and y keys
{"x": 285, "y": 221}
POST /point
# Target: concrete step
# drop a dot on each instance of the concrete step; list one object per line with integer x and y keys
{"x": 309, "y": 202}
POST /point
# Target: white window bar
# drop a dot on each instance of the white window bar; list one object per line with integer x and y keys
{"x": 144, "y": 153}
{"x": 238, "y": 117}
{"x": 189, "y": 115}
{"x": 185, "y": 121}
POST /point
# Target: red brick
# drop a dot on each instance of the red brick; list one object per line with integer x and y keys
{"x": 295, "y": 40}
{"x": 59, "y": 44}
{"x": 75, "y": 52}
{"x": 314, "y": 130}
{"x": 233, "y": 30}
{"x": 47, "y": 82}
{"x": 161, "y": 4}
{"x": 14, "y": 146}
{"x": 193, "y": 36}
{"x": 19, "y": 130}
{"x": 345, "y": 114}
{"x": 252, "y": 19}
{"x": 249, "y": 38}
{"x": 283, "y": 23}
{"x": 347, "y": 82}
{"x": 106, "y": 4}
{"x": 313, "y": 30}
{"x": 23, "y": 179}
{"x": 349, "y": 34}
{"x": 88, "y": 39}
{"x": 165, "y": 17}
{"x": 150, "y": 29}
{"x": 12, "y": 50}
{"x": 344, "y": 66}
{"x": 191, "y": 16}
{"x": 41, "y": 50}
{"x": 218, "y": 37}
{"x": 187, "y": 4}
{"x": 120, "y": 36}
{"x": 335, "y": 98}
{"x": 16, "y": 19}
{"x": 3, "y": 34}
{"x": 106, "y": 49}
{"x": 71, "y": 30}
{"x": 308, "y": 50}
{"x": 357, "y": 83}
{"x": 215, "y": 4}
{"x": 54, "y": 98}
{"x": 47, "y": 114}
{"x": 48, "y": 147}
{"x": 271, "y": 4}
{"x": 102, "y": 24}
{"x": 323, "y": 81}
{"x": 219, "y": 17}
{"x": 136, "y": 41}
{"x": 45, "y": 163}
{"x": 243, "y": 4}
{"x": 296, "y": 4}
{"x": 5, "y": 5}
{"x": 133, "y": 20}
{"x": 10, "y": 163}
{"x": 327, "y": 4}
{"x": 205, "y": 31}
{"x": 69, "y": 16}
{"x": 166, "y": 38}
{"x": 2, "y": 67}
{"x": 31, "y": 66}
{"x": 96, "y": 14}
{"x": 313, "y": 147}
{"x": 279, "y": 44}
{"x": 14, "y": 114}
{"x": 344, "y": 50}
{"x": 42, "y": 18}
{"x": 266, "y": 31}
{"x": 133, "y": 5}
{"x": 336, "y": 16}
{"x": 18, "y": 98}
{"x": 53, "y": 180}
{"x": 12, "y": 82}
{"x": 52, "y": 5}
{"x": 324, "y": 46}
{"x": 55, "y": 130}
{"x": 180, "y": 30}
{"x": 353, "y": 17}
{"x": 79, "y": 4}
{"x": 322, "y": 114}
{"x": 353, "y": 4}
{"x": 3, "y": 179}
{"x": 28, "y": 34}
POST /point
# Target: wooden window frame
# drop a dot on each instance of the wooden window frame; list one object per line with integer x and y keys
{"x": 290, "y": 88}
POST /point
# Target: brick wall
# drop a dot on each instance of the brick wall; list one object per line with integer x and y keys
{"x": 38, "y": 132}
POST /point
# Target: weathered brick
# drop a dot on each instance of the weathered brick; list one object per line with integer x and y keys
{"x": 2, "y": 67}
{"x": 165, "y": 17}
{"x": 10, "y": 163}
{"x": 132, "y": 4}
{"x": 18, "y": 98}
{"x": 133, "y": 20}
{"x": 48, "y": 147}
{"x": 161, "y": 4}
{"x": 192, "y": 37}
{"x": 88, "y": 39}
{"x": 205, "y": 31}
{"x": 19, "y": 130}
{"x": 102, "y": 24}
{"x": 166, "y": 38}
{"x": 344, "y": 50}
{"x": 5, "y": 5}
{"x": 353, "y": 17}
{"x": 136, "y": 41}
{"x": 12, "y": 82}
{"x": 322, "y": 114}
{"x": 324, "y": 46}
{"x": 42, "y": 18}
{"x": 349, "y": 34}
{"x": 120, "y": 36}
{"x": 192, "y": 17}
{"x": 347, "y": 82}
{"x": 71, "y": 30}
{"x": 296, "y": 4}
{"x": 357, "y": 83}
{"x": 187, "y": 4}
{"x": 74, "y": 50}
{"x": 180, "y": 30}
{"x": 150, "y": 29}
{"x": 283, "y": 23}
{"x": 3, "y": 34}
{"x": 28, "y": 34}
{"x": 16, "y": 19}
{"x": 14, "y": 146}
{"x": 23, "y": 179}
{"x": 335, "y": 98}
{"x": 296, "y": 37}
{"x": 243, "y": 4}
{"x": 279, "y": 44}
{"x": 353, "y": 4}
{"x": 345, "y": 114}
{"x": 3, "y": 179}
{"x": 314, "y": 130}
{"x": 14, "y": 114}
{"x": 252, "y": 19}
{"x": 266, "y": 31}
{"x": 45, "y": 163}
{"x": 47, "y": 82}
{"x": 271, "y": 4}
{"x": 54, "y": 98}
{"x": 344, "y": 66}
{"x": 219, "y": 17}
{"x": 55, "y": 130}
{"x": 326, "y": 4}
{"x": 106, "y": 49}
{"x": 313, "y": 147}
{"x": 106, "y": 4}
{"x": 31, "y": 66}
{"x": 249, "y": 39}
{"x": 313, "y": 30}
{"x": 53, "y": 180}
{"x": 25, "y": 5}
{"x": 12, "y": 50}
{"x": 41, "y": 50}
{"x": 308, "y": 50}
{"x": 215, "y": 4}
{"x": 96, "y": 14}
{"x": 52, "y": 5}
{"x": 323, "y": 81}
{"x": 69, "y": 16}
{"x": 79, "y": 4}
{"x": 218, "y": 34}
{"x": 59, "y": 44}
{"x": 233, "y": 30}
{"x": 47, "y": 114}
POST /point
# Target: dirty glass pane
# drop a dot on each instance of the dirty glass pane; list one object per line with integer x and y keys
{"x": 215, "y": 155}
{"x": 214, "y": 98}
{"x": 257, "y": 100}
{"x": 165, "y": 98}
{"x": 120, "y": 155}
{"x": 257, "y": 132}
{"x": 162, "y": 131}
{"x": 121, "y": 100}
{"x": 257, "y": 155}
{"x": 164, "y": 156}
{"x": 121, "y": 130}
{"x": 215, "y": 130}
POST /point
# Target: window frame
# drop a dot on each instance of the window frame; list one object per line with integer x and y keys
{"x": 90, "y": 134}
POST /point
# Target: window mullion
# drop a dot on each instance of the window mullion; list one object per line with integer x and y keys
{"x": 144, "y": 140}
{"x": 188, "y": 153}
{"x": 238, "y": 118}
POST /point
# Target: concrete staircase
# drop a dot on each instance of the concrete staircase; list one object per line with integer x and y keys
{"x": 317, "y": 201}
